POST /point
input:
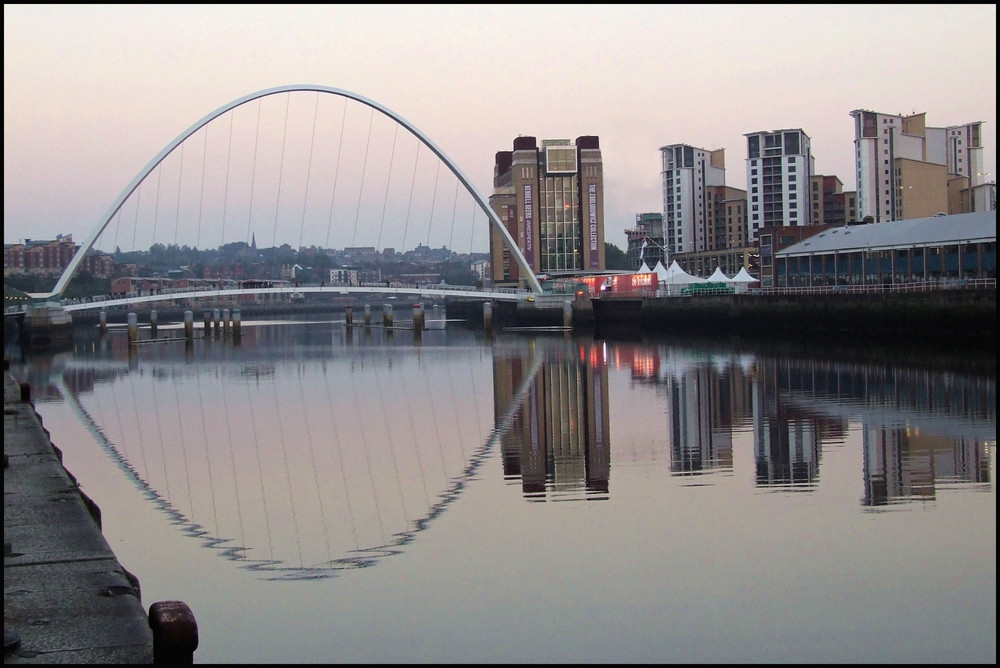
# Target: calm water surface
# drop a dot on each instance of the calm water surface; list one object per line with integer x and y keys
{"x": 319, "y": 494}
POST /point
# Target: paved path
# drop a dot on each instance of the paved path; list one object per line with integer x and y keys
{"x": 66, "y": 599}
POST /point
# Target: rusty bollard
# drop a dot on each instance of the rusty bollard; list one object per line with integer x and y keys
{"x": 175, "y": 632}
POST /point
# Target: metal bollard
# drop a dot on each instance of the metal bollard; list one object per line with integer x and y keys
{"x": 175, "y": 632}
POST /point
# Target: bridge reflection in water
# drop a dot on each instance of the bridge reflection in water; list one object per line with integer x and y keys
{"x": 312, "y": 449}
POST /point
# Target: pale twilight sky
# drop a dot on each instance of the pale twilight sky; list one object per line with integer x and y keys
{"x": 92, "y": 92}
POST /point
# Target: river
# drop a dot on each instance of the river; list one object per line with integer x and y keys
{"x": 318, "y": 493}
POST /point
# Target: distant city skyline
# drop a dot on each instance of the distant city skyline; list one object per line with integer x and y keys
{"x": 93, "y": 92}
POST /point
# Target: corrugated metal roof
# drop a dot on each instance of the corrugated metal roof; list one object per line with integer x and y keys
{"x": 937, "y": 230}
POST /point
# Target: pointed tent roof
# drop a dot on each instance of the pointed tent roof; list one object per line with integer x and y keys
{"x": 718, "y": 276}
{"x": 678, "y": 276}
{"x": 743, "y": 276}
{"x": 644, "y": 269}
{"x": 661, "y": 271}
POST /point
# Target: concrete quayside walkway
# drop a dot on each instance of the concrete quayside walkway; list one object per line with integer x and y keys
{"x": 66, "y": 598}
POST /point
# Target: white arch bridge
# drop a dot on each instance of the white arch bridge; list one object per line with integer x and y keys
{"x": 529, "y": 282}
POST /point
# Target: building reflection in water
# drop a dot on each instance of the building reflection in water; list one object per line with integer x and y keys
{"x": 558, "y": 444}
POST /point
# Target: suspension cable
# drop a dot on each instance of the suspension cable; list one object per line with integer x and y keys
{"x": 388, "y": 180}
{"x": 454, "y": 208}
{"x": 253, "y": 172}
{"x": 305, "y": 198}
{"x": 409, "y": 203}
{"x": 201, "y": 194}
{"x": 364, "y": 168}
{"x": 430, "y": 223}
{"x": 336, "y": 173}
{"x": 281, "y": 172}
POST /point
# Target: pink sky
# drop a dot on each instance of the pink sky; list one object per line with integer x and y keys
{"x": 92, "y": 93}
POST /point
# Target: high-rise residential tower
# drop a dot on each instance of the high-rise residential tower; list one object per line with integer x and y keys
{"x": 779, "y": 166}
{"x": 688, "y": 174}
{"x": 906, "y": 169}
{"x": 551, "y": 199}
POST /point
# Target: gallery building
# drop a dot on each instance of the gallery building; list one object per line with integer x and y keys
{"x": 550, "y": 197}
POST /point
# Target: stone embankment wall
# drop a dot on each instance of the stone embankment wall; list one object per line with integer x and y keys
{"x": 954, "y": 316}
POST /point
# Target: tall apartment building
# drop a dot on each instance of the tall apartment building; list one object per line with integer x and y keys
{"x": 828, "y": 202}
{"x": 906, "y": 169}
{"x": 551, "y": 200}
{"x": 688, "y": 173}
{"x": 729, "y": 219}
{"x": 780, "y": 165}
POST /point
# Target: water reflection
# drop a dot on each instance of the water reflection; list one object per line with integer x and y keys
{"x": 558, "y": 444}
{"x": 310, "y": 448}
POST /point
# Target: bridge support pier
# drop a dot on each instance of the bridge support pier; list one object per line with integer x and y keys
{"x": 348, "y": 315}
{"x": 225, "y": 323}
{"x": 488, "y": 315}
{"x": 418, "y": 320}
{"x": 237, "y": 325}
{"x": 567, "y": 314}
{"x": 208, "y": 323}
{"x": 133, "y": 328}
{"x": 153, "y": 322}
{"x": 368, "y": 315}
{"x": 104, "y": 322}
{"x": 188, "y": 325}
{"x": 387, "y": 315}
{"x": 215, "y": 321}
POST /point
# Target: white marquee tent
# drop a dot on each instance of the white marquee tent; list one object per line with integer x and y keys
{"x": 719, "y": 277}
{"x": 676, "y": 278}
{"x": 742, "y": 279}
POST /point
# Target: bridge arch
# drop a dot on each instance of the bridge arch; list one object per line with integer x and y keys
{"x": 71, "y": 268}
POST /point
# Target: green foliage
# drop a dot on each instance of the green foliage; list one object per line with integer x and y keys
{"x": 614, "y": 257}
{"x": 82, "y": 285}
